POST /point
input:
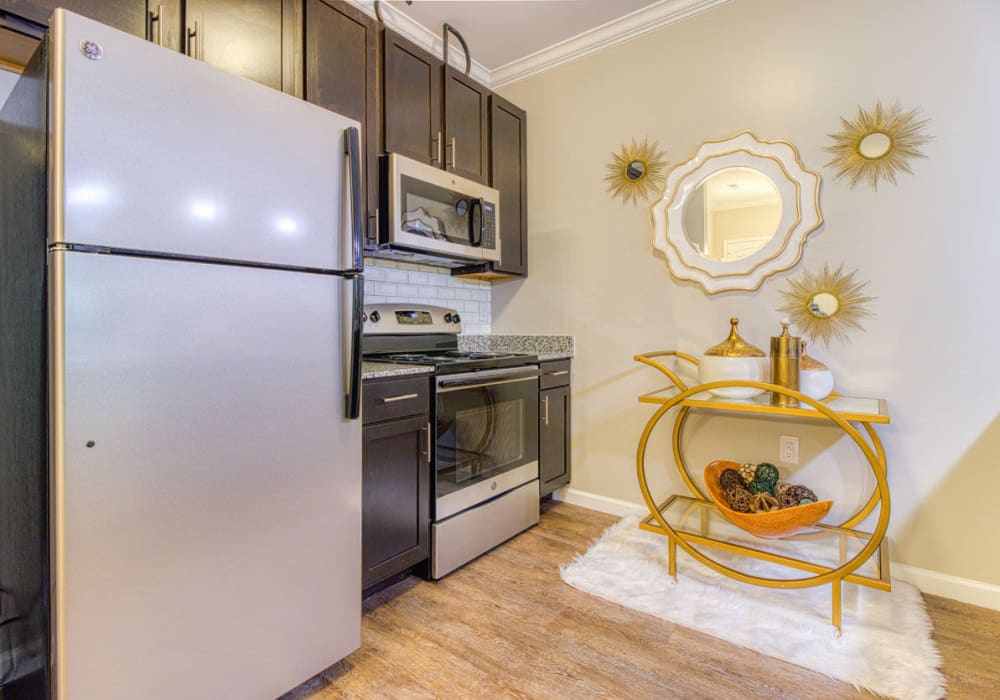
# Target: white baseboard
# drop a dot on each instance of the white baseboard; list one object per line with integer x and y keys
{"x": 965, "y": 590}
{"x": 603, "y": 504}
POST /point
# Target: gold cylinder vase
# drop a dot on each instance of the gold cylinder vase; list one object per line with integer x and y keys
{"x": 785, "y": 349}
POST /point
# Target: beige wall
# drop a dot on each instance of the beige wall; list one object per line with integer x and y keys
{"x": 788, "y": 69}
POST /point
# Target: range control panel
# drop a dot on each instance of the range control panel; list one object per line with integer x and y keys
{"x": 395, "y": 319}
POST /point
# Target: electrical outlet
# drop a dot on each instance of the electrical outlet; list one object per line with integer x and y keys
{"x": 788, "y": 449}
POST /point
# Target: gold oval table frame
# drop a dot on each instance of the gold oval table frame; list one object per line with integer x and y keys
{"x": 684, "y": 398}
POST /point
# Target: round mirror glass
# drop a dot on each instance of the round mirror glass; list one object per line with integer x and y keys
{"x": 732, "y": 213}
{"x": 823, "y": 305}
{"x": 875, "y": 145}
{"x": 635, "y": 170}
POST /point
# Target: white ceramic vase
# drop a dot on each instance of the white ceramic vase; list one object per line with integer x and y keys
{"x": 815, "y": 378}
{"x": 732, "y": 359}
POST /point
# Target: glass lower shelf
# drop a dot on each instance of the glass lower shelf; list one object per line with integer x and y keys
{"x": 820, "y": 550}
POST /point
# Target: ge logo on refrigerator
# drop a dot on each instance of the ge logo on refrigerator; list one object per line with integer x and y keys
{"x": 92, "y": 50}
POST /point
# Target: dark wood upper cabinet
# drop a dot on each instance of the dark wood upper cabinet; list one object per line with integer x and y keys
{"x": 126, "y": 15}
{"x": 508, "y": 173}
{"x": 412, "y": 101}
{"x": 342, "y": 75}
{"x": 466, "y": 124}
{"x": 243, "y": 37}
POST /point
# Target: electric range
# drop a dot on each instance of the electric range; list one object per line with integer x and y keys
{"x": 485, "y": 416}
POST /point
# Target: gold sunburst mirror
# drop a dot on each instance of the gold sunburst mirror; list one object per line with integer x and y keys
{"x": 635, "y": 173}
{"x": 878, "y": 144}
{"x": 826, "y": 305}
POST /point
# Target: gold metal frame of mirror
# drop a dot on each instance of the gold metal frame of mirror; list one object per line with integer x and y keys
{"x": 852, "y": 303}
{"x": 714, "y": 282}
{"x": 788, "y": 234}
{"x": 903, "y": 130}
{"x": 620, "y": 185}
{"x": 684, "y": 398}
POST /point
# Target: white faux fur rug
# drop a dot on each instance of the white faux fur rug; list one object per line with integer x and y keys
{"x": 886, "y": 645}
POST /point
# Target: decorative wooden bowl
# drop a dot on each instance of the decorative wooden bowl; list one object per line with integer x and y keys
{"x": 778, "y": 523}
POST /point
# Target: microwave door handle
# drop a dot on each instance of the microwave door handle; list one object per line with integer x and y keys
{"x": 473, "y": 241}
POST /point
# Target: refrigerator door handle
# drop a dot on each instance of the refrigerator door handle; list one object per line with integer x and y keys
{"x": 352, "y": 149}
{"x": 353, "y": 398}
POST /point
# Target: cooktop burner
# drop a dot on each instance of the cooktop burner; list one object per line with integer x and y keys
{"x": 427, "y": 335}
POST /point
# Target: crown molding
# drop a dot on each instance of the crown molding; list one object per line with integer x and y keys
{"x": 423, "y": 37}
{"x": 617, "y": 31}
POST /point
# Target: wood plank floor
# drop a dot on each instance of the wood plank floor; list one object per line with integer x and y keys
{"x": 506, "y": 626}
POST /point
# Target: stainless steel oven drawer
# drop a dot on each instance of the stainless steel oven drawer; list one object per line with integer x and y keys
{"x": 463, "y": 537}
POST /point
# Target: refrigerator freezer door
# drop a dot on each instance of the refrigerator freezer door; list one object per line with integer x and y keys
{"x": 207, "y": 487}
{"x": 156, "y": 151}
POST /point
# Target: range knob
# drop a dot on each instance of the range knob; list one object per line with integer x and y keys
{"x": 364, "y": 317}
{"x": 375, "y": 316}
{"x": 456, "y": 318}
{"x": 447, "y": 318}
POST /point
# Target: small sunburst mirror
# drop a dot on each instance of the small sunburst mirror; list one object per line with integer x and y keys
{"x": 827, "y": 304}
{"x": 635, "y": 173}
{"x": 878, "y": 144}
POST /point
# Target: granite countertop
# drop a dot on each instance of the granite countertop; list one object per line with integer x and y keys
{"x": 377, "y": 370}
{"x": 547, "y": 347}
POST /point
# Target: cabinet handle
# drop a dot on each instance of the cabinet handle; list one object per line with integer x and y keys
{"x": 545, "y": 411}
{"x": 427, "y": 453}
{"x": 156, "y": 17}
{"x": 454, "y": 153}
{"x": 399, "y": 397}
{"x": 436, "y": 149}
{"x": 192, "y": 35}
{"x": 558, "y": 374}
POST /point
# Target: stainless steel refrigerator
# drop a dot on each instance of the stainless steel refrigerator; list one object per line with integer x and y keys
{"x": 180, "y": 303}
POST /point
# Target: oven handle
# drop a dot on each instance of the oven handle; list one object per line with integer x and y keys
{"x": 446, "y": 385}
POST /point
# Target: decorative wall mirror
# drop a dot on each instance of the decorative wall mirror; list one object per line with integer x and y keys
{"x": 737, "y": 212}
{"x": 825, "y": 305}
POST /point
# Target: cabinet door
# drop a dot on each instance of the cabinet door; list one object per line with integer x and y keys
{"x": 412, "y": 101}
{"x": 466, "y": 110}
{"x": 553, "y": 439}
{"x": 244, "y": 37}
{"x": 341, "y": 74}
{"x": 126, "y": 15}
{"x": 395, "y": 497}
{"x": 508, "y": 173}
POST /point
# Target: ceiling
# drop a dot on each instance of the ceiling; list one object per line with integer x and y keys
{"x": 502, "y": 31}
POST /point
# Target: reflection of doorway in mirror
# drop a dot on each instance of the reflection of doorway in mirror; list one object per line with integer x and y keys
{"x": 742, "y": 212}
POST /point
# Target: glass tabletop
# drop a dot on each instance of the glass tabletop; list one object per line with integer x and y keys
{"x": 858, "y": 409}
{"x": 821, "y": 548}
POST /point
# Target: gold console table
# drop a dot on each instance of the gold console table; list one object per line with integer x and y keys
{"x": 842, "y": 553}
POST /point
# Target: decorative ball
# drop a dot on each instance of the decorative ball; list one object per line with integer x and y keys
{"x": 787, "y": 501}
{"x": 738, "y": 499}
{"x": 763, "y": 503}
{"x": 730, "y": 478}
{"x": 780, "y": 488}
{"x": 747, "y": 471}
{"x": 798, "y": 491}
{"x": 765, "y": 477}
{"x": 805, "y": 500}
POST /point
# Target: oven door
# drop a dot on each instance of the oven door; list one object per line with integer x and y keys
{"x": 436, "y": 211}
{"x": 487, "y": 436}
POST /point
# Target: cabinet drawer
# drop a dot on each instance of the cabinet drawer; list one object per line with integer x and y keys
{"x": 385, "y": 399}
{"x": 554, "y": 373}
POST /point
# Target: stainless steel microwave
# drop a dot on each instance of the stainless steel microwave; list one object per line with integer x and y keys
{"x": 429, "y": 214}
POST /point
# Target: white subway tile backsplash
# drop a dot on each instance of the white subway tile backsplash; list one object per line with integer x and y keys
{"x": 387, "y": 281}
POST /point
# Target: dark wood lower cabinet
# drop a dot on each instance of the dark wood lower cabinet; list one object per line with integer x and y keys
{"x": 554, "y": 427}
{"x": 395, "y": 504}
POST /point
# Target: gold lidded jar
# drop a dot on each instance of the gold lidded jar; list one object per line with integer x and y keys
{"x": 785, "y": 350}
{"x": 732, "y": 359}
{"x": 815, "y": 378}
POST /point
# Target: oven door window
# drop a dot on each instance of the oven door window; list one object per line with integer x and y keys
{"x": 485, "y": 431}
{"x": 438, "y": 213}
